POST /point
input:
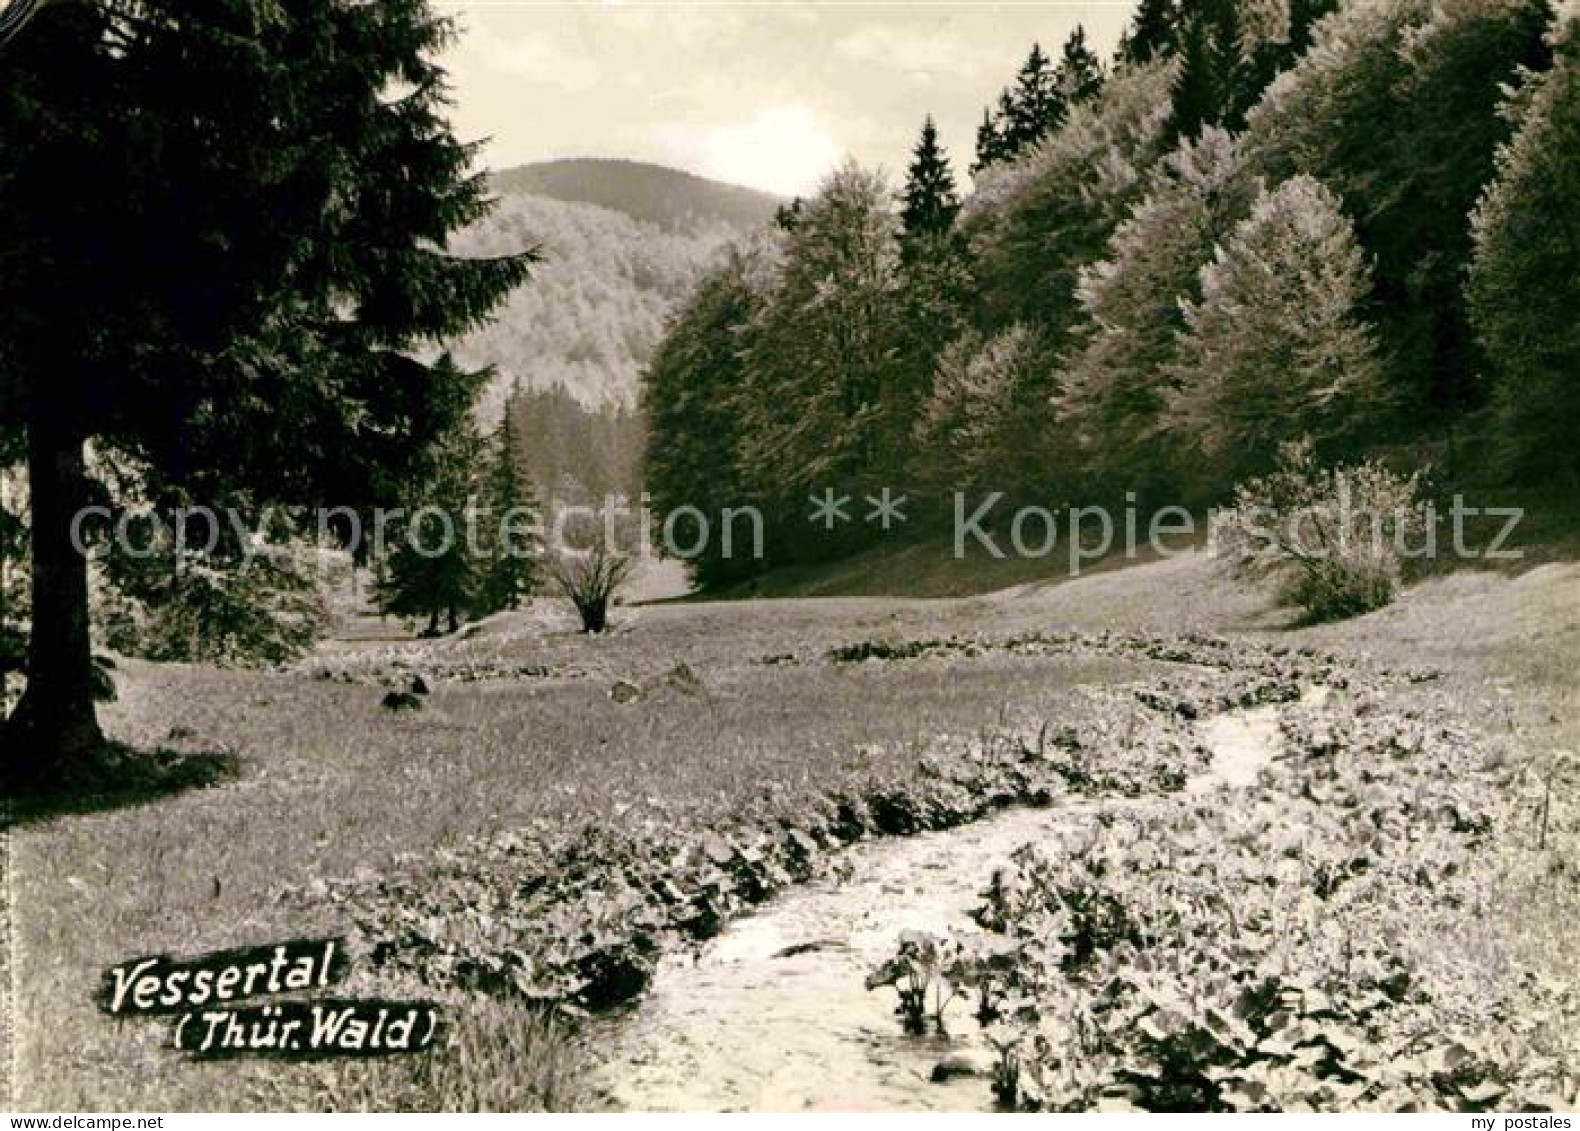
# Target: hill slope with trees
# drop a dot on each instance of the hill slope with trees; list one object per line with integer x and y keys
{"x": 1256, "y": 224}
{"x": 603, "y": 291}
{"x": 673, "y": 199}
{"x": 622, "y": 246}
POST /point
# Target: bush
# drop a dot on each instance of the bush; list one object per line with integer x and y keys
{"x": 1333, "y": 538}
{"x": 591, "y": 578}
{"x": 1335, "y": 590}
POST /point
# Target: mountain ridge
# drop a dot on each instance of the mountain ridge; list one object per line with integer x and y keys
{"x": 623, "y": 244}
{"x": 671, "y": 198}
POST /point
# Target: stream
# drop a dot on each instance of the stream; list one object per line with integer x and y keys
{"x": 773, "y": 1015}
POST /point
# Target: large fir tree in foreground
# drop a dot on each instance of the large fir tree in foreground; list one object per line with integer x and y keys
{"x": 1080, "y": 75}
{"x": 227, "y": 285}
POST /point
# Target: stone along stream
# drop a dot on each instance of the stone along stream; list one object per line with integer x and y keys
{"x": 773, "y": 1015}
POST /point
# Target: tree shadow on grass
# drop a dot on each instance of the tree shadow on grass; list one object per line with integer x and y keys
{"x": 122, "y": 777}
{"x": 1511, "y": 531}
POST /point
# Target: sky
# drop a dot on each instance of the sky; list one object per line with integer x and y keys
{"x": 761, "y": 93}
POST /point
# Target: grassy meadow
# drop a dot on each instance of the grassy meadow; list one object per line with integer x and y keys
{"x": 688, "y": 718}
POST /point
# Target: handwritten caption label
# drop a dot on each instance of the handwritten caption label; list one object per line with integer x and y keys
{"x": 310, "y": 1029}
{"x": 166, "y": 985}
{"x": 204, "y": 994}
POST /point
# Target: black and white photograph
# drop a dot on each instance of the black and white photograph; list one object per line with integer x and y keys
{"x": 790, "y": 556}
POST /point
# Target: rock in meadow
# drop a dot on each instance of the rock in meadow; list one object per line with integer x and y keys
{"x": 964, "y": 1063}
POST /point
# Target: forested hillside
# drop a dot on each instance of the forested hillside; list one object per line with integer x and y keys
{"x": 575, "y": 453}
{"x": 1254, "y": 224}
{"x": 623, "y": 246}
{"x": 599, "y": 299}
{"x": 668, "y": 197}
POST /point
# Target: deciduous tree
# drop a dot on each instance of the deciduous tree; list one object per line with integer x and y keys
{"x": 693, "y": 398}
{"x": 822, "y": 352}
{"x": 1524, "y": 284}
{"x": 1395, "y": 108}
{"x": 1115, "y": 378}
{"x": 1277, "y": 347}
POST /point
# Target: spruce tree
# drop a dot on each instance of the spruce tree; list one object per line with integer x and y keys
{"x": 511, "y": 519}
{"x": 1274, "y": 48}
{"x": 1211, "y": 67}
{"x": 214, "y": 601}
{"x": 1027, "y": 112}
{"x": 1231, "y": 51}
{"x": 929, "y": 202}
{"x": 990, "y": 142}
{"x": 433, "y": 568}
{"x": 935, "y": 289}
{"x": 1080, "y": 74}
{"x": 1153, "y": 31}
{"x": 1036, "y": 104}
{"x": 260, "y": 267}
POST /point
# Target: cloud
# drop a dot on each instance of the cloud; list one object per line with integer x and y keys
{"x": 907, "y": 49}
{"x": 537, "y": 59}
{"x": 781, "y": 148}
{"x": 770, "y": 96}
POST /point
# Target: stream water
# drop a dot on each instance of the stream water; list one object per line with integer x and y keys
{"x": 773, "y": 1015}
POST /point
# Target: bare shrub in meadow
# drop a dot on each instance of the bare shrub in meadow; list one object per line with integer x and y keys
{"x": 1332, "y": 538}
{"x": 591, "y": 578}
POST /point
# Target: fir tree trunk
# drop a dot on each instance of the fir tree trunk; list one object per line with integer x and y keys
{"x": 52, "y": 740}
